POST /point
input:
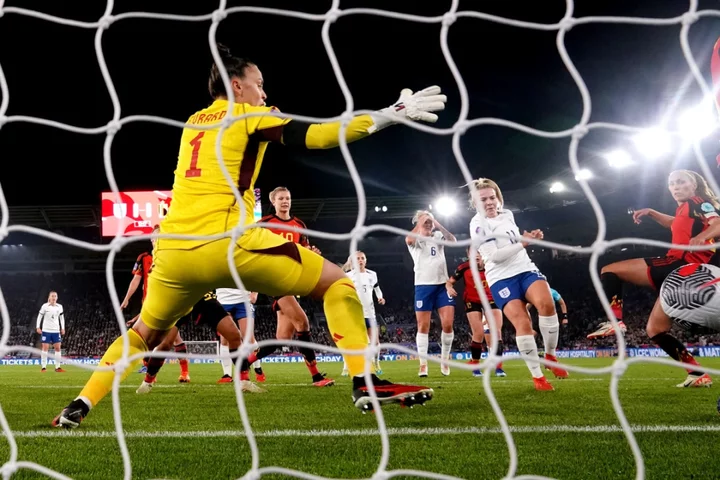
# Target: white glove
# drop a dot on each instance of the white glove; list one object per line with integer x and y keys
{"x": 413, "y": 106}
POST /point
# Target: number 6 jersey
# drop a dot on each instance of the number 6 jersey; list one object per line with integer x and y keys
{"x": 503, "y": 257}
{"x": 429, "y": 258}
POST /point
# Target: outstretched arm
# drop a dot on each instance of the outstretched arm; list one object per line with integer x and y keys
{"x": 416, "y": 106}
{"x": 412, "y": 240}
{"x": 660, "y": 218}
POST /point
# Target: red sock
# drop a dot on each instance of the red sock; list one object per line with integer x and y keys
{"x": 616, "y": 307}
{"x": 245, "y": 375}
{"x": 499, "y": 366}
{"x": 312, "y": 366}
{"x": 182, "y": 348}
{"x": 149, "y": 379}
{"x": 686, "y": 357}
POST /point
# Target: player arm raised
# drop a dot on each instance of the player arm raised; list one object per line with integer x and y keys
{"x": 446, "y": 233}
{"x": 661, "y": 218}
{"x": 410, "y": 240}
{"x": 416, "y": 106}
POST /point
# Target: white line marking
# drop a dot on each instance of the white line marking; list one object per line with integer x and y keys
{"x": 371, "y": 432}
{"x": 470, "y": 381}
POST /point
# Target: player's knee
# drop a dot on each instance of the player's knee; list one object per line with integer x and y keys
{"x": 331, "y": 274}
{"x": 545, "y": 308}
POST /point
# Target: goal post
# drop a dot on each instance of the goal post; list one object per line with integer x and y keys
{"x": 203, "y": 347}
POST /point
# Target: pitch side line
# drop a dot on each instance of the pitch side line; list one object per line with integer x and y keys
{"x": 370, "y": 432}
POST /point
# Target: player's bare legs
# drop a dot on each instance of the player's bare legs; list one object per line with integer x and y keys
{"x": 155, "y": 363}
{"x": 447, "y": 317}
{"x": 497, "y": 317}
{"x": 180, "y": 347}
{"x": 345, "y": 320}
{"x": 230, "y": 337}
{"x": 256, "y": 364}
{"x": 291, "y": 319}
{"x": 225, "y": 362}
{"x": 57, "y": 350}
{"x": 539, "y": 295}
{"x": 612, "y": 276}
{"x": 516, "y": 312}
{"x": 374, "y": 333}
{"x": 658, "y": 329}
{"x": 476, "y": 327}
{"x": 422, "y": 339}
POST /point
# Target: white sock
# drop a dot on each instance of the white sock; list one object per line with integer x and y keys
{"x": 549, "y": 329}
{"x": 527, "y": 346}
{"x": 57, "y": 360}
{"x": 422, "y": 345}
{"x": 344, "y": 365}
{"x": 257, "y": 364}
{"x": 43, "y": 359}
{"x": 226, "y": 362}
{"x": 446, "y": 341}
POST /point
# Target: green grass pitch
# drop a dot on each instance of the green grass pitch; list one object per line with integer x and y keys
{"x": 194, "y": 431}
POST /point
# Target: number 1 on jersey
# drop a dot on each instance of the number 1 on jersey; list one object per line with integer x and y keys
{"x": 193, "y": 171}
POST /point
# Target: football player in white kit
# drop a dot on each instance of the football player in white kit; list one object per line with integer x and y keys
{"x": 514, "y": 279}
{"x": 233, "y": 301}
{"x": 366, "y": 282}
{"x": 51, "y": 327}
{"x": 431, "y": 273}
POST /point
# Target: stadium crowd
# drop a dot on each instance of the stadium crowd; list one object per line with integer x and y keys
{"x": 91, "y": 320}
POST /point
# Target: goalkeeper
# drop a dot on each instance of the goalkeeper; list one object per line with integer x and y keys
{"x": 204, "y": 204}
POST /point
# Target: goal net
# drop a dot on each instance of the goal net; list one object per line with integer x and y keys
{"x": 203, "y": 347}
{"x": 575, "y": 134}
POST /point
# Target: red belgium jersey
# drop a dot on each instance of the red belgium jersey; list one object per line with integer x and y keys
{"x": 295, "y": 237}
{"x": 692, "y": 218}
{"x": 143, "y": 266}
{"x": 470, "y": 294}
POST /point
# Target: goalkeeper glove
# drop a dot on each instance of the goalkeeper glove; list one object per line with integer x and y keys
{"x": 413, "y": 106}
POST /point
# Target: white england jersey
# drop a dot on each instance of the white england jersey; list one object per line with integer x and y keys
{"x": 51, "y": 318}
{"x": 231, "y": 296}
{"x": 429, "y": 257}
{"x": 366, "y": 283}
{"x": 506, "y": 266}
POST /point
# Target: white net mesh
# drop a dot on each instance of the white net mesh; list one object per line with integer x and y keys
{"x": 463, "y": 124}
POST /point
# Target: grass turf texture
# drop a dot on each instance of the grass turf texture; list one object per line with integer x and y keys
{"x": 194, "y": 431}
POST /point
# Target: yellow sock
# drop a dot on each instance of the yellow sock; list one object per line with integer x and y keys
{"x": 100, "y": 382}
{"x": 345, "y": 320}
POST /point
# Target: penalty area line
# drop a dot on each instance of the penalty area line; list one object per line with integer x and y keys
{"x": 369, "y": 432}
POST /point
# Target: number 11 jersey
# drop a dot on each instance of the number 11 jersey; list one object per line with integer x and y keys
{"x": 503, "y": 224}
